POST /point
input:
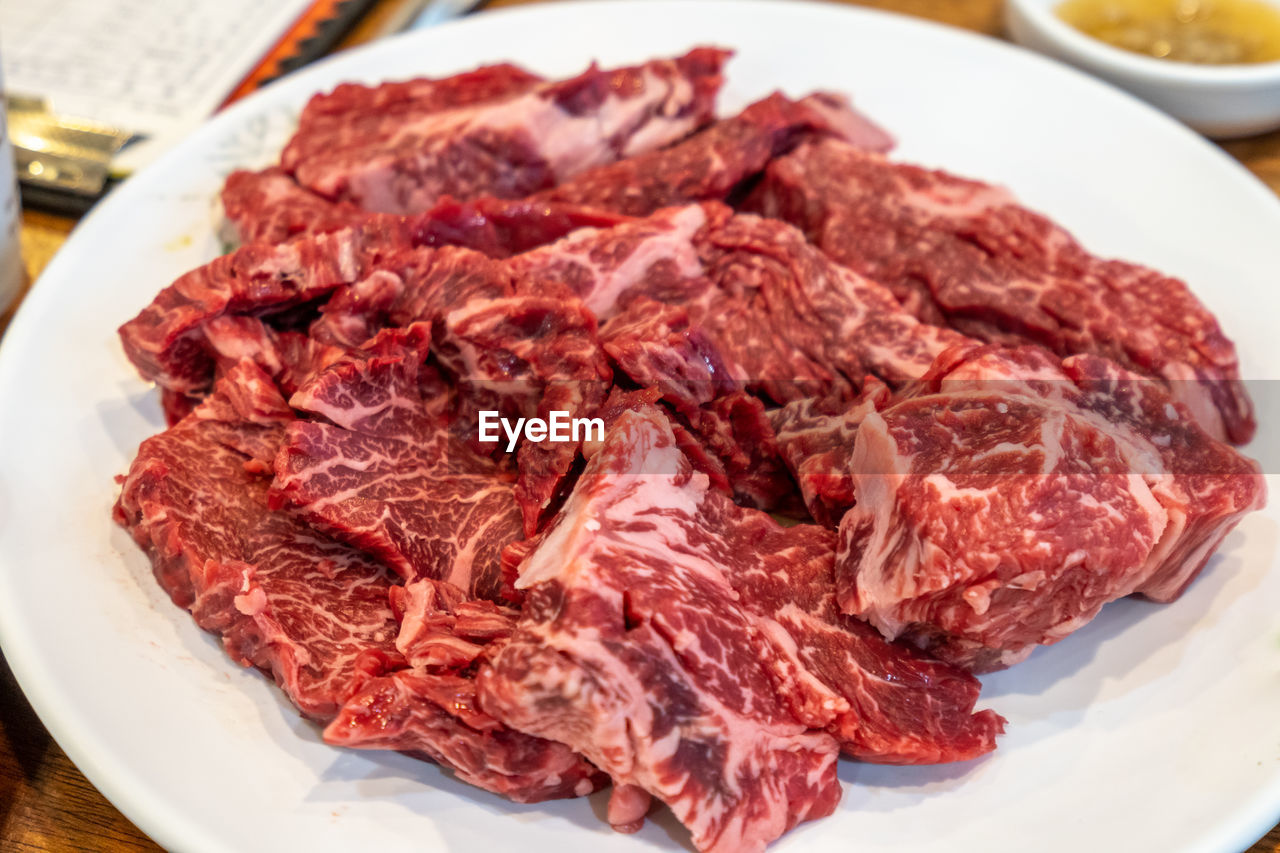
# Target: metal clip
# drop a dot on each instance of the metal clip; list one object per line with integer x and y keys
{"x": 61, "y": 153}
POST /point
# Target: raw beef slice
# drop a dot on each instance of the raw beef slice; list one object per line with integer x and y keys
{"x": 318, "y": 616}
{"x": 354, "y": 117}
{"x": 435, "y": 716}
{"x": 684, "y": 644}
{"x": 815, "y": 436}
{"x": 529, "y": 355}
{"x": 306, "y": 609}
{"x": 166, "y": 341}
{"x": 403, "y": 161}
{"x": 430, "y": 709}
{"x": 641, "y": 660}
{"x": 751, "y": 305}
{"x": 257, "y": 301}
{"x": 385, "y": 474}
{"x": 893, "y": 705}
{"x": 250, "y": 303}
{"x": 703, "y": 304}
{"x": 1008, "y": 497}
{"x": 269, "y": 206}
{"x": 960, "y": 253}
{"x": 712, "y": 163}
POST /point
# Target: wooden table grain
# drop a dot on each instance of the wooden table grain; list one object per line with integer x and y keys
{"x": 46, "y": 804}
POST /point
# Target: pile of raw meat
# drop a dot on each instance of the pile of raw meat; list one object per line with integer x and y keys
{"x": 976, "y": 432}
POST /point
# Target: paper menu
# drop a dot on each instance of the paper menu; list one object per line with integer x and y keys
{"x": 153, "y": 67}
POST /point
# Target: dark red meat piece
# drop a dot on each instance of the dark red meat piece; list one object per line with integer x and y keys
{"x": 965, "y": 254}
{"x": 517, "y": 138}
{"x": 891, "y": 704}
{"x": 710, "y": 165}
{"x": 815, "y": 438}
{"x": 431, "y": 709}
{"x": 269, "y": 206}
{"x": 435, "y": 716}
{"x": 530, "y": 356}
{"x": 309, "y": 611}
{"x": 386, "y": 475}
{"x": 684, "y": 644}
{"x": 1000, "y": 504}
{"x": 166, "y": 341}
{"x": 719, "y": 301}
{"x": 636, "y": 654}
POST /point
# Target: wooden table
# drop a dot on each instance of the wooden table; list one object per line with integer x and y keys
{"x": 47, "y": 804}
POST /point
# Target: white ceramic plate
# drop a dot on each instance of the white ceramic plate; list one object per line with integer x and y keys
{"x": 1154, "y": 728}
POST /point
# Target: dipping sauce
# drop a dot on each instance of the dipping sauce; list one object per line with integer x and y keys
{"x": 1215, "y": 32}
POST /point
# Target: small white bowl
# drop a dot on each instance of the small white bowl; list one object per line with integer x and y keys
{"x": 1217, "y": 100}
